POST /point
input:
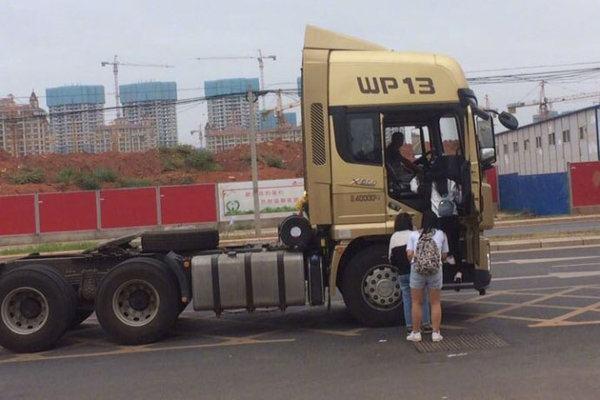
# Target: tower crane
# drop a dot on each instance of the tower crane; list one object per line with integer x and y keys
{"x": 279, "y": 110}
{"x": 261, "y": 65}
{"x": 115, "y": 63}
{"x": 545, "y": 103}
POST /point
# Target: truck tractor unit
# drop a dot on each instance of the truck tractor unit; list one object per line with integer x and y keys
{"x": 356, "y": 95}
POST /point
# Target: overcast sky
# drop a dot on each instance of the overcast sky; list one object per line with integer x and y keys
{"x": 57, "y": 42}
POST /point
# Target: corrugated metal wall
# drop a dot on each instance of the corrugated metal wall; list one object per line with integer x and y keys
{"x": 529, "y": 150}
{"x": 540, "y": 194}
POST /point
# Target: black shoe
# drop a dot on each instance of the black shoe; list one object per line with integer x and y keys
{"x": 427, "y": 329}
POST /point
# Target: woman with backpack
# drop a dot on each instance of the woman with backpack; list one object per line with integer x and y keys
{"x": 398, "y": 258}
{"x": 427, "y": 248}
{"x": 445, "y": 194}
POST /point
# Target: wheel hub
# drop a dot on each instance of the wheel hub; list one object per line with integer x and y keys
{"x": 139, "y": 300}
{"x": 24, "y": 310}
{"x": 30, "y": 308}
{"x": 136, "y": 302}
{"x": 381, "y": 287}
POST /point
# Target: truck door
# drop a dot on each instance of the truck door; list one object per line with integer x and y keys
{"x": 357, "y": 167}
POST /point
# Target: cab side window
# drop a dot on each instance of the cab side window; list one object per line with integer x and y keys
{"x": 358, "y": 139}
{"x": 449, "y": 136}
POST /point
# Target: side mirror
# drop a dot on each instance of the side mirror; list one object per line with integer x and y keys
{"x": 509, "y": 121}
{"x": 487, "y": 142}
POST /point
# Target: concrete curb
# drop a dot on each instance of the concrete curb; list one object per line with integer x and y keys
{"x": 549, "y": 220}
{"x": 545, "y": 243}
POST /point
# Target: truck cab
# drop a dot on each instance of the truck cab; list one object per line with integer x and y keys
{"x": 356, "y": 96}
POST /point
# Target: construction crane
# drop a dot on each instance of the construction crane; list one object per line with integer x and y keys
{"x": 279, "y": 110}
{"x": 115, "y": 63}
{"x": 261, "y": 66}
{"x": 545, "y": 103}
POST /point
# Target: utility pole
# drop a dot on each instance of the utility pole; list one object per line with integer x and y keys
{"x": 253, "y": 158}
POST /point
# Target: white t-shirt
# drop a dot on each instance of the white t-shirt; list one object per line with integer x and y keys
{"x": 454, "y": 194}
{"x": 439, "y": 237}
{"x": 399, "y": 238}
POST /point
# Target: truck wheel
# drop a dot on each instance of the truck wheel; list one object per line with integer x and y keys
{"x": 36, "y": 308}
{"x": 137, "y": 302}
{"x": 371, "y": 288}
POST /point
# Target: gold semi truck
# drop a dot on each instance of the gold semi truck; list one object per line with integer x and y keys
{"x": 355, "y": 96}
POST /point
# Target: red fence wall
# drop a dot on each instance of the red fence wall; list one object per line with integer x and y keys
{"x": 492, "y": 178}
{"x": 17, "y": 215}
{"x": 72, "y": 211}
{"x": 119, "y": 208}
{"x": 128, "y": 207}
{"x": 585, "y": 183}
{"x": 188, "y": 204}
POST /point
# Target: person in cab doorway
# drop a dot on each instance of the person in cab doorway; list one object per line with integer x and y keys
{"x": 399, "y": 166}
{"x": 398, "y": 258}
{"x": 445, "y": 194}
{"x": 427, "y": 248}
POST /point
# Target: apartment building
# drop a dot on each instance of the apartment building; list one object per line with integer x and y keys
{"x": 227, "y": 105}
{"x": 125, "y": 137}
{"x": 24, "y": 128}
{"x": 75, "y": 112}
{"x": 152, "y": 103}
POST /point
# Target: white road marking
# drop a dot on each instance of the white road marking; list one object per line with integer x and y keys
{"x": 560, "y": 275}
{"x": 547, "y": 249}
{"x": 544, "y": 260}
{"x": 576, "y": 265}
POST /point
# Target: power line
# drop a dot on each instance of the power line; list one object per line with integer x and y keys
{"x": 190, "y": 100}
{"x": 533, "y": 67}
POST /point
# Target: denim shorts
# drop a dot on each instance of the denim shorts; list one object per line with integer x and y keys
{"x": 418, "y": 281}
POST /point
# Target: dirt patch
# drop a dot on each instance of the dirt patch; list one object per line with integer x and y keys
{"x": 277, "y": 160}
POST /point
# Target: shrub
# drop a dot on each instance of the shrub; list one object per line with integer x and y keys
{"x": 173, "y": 158}
{"x": 201, "y": 160}
{"x": 27, "y": 175}
{"x": 88, "y": 182}
{"x": 134, "y": 182}
{"x": 66, "y": 176}
{"x": 105, "y": 174}
{"x": 274, "y": 161}
{"x": 186, "y": 180}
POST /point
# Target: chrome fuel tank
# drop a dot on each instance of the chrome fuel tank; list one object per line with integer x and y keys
{"x": 248, "y": 280}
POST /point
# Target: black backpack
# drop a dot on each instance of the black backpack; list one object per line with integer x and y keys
{"x": 399, "y": 260}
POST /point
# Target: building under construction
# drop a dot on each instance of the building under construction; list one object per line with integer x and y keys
{"x": 75, "y": 112}
{"x": 230, "y": 120}
{"x": 125, "y": 137}
{"x": 227, "y": 105}
{"x": 154, "y": 103}
{"x": 24, "y": 128}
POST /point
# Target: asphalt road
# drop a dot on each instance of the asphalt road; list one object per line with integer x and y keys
{"x": 535, "y": 335}
{"x": 557, "y": 227}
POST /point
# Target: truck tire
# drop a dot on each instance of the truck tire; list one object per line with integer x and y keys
{"x": 36, "y": 308}
{"x": 137, "y": 302}
{"x": 180, "y": 240}
{"x": 371, "y": 288}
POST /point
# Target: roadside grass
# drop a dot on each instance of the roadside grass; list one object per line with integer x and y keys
{"x": 47, "y": 248}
